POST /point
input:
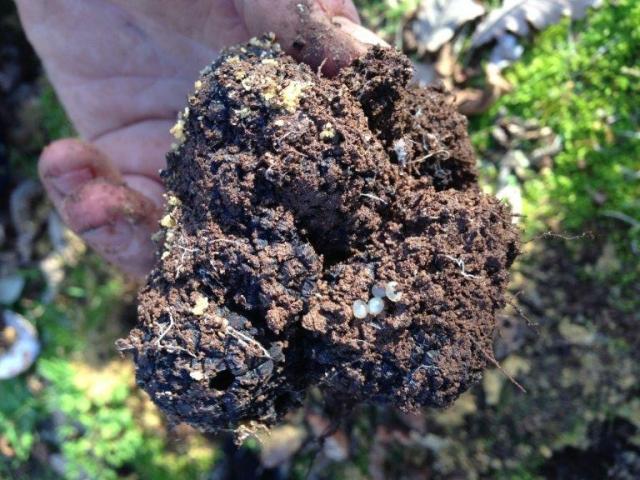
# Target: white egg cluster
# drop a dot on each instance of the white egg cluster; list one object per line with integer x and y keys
{"x": 374, "y": 306}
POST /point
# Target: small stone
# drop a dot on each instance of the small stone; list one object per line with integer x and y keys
{"x": 375, "y": 306}
{"x": 359, "y": 309}
{"x": 392, "y": 293}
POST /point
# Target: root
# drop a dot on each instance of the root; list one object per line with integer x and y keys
{"x": 174, "y": 348}
{"x": 495, "y": 362}
{"x": 530, "y": 323}
{"x": 562, "y": 236}
{"x": 373, "y": 197}
{"x": 243, "y": 339}
{"x": 430, "y": 155}
{"x": 166, "y": 330}
{"x": 460, "y": 263}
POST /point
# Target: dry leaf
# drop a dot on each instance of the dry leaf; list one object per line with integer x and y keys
{"x": 437, "y": 21}
{"x": 473, "y": 101}
{"x": 516, "y": 15}
{"x": 506, "y": 51}
{"x": 425, "y": 74}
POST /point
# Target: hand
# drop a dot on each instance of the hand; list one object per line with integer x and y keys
{"x": 123, "y": 69}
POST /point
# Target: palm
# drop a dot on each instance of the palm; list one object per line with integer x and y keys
{"x": 122, "y": 69}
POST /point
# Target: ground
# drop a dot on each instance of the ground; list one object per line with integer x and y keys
{"x": 568, "y": 335}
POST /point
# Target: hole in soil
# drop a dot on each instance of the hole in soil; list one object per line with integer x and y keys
{"x": 222, "y": 380}
{"x": 333, "y": 257}
{"x": 333, "y": 252}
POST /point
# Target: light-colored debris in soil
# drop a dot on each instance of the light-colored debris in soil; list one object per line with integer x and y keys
{"x": 24, "y": 349}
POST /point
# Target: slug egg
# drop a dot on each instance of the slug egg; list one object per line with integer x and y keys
{"x": 378, "y": 291}
{"x": 375, "y": 306}
{"x": 359, "y": 309}
{"x": 392, "y": 293}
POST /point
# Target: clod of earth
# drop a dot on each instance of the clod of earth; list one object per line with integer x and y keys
{"x": 295, "y": 200}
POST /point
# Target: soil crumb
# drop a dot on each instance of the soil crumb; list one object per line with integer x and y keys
{"x": 319, "y": 232}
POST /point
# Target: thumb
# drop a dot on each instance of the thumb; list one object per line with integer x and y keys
{"x": 317, "y": 32}
{"x": 93, "y": 200}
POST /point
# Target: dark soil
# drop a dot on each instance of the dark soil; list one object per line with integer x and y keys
{"x": 290, "y": 196}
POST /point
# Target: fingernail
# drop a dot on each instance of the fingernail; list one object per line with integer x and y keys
{"x": 358, "y": 32}
{"x": 68, "y": 182}
{"x": 110, "y": 238}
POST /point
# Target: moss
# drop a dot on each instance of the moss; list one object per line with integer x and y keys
{"x": 581, "y": 80}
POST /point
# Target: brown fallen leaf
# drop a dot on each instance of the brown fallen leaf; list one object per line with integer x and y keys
{"x": 473, "y": 101}
{"x": 516, "y": 15}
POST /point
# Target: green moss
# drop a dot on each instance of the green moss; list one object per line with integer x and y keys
{"x": 82, "y": 397}
{"x": 98, "y": 432}
{"x": 582, "y": 80}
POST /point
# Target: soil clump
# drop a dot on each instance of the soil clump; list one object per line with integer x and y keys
{"x": 294, "y": 200}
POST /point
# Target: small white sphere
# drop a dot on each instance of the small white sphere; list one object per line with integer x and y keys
{"x": 392, "y": 292}
{"x": 378, "y": 291}
{"x": 359, "y": 309}
{"x": 375, "y": 306}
